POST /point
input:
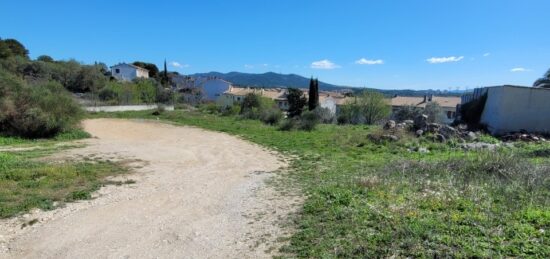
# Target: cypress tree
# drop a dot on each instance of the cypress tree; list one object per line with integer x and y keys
{"x": 313, "y": 101}
{"x": 164, "y": 79}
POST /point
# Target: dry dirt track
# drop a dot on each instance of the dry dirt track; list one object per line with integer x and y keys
{"x": 199, "y": 194}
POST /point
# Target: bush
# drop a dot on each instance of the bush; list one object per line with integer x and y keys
{"x": 288, "y": 124}
{"x": 210, "y": 108}
{"x": 231, "y": 110}
{"x": 408, "y": 112}
{"x": 324, "y": 115}
{"x": 271, "y": 116}
{"x": 369, "y": 108}
{"x": 308, "y": 121}
{"x": 35, "y": 112}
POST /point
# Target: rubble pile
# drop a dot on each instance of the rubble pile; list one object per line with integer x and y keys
{"x": 528, "y": 137}
{"x": 442, "y": 132}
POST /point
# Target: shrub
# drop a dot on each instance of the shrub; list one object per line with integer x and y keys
{"x": 288, "y": 124}
{"x": 324, "y": 115}
{"x": 434, "y": 112}
{"x": 34, "y": 112}
{"x": 408, "y": 112}
{"x": 308, "y": 121}
{"x": 231, "y": 110}
{"x": 369, "y": 108}
{"x": 210, "y": 108}
{"x": 271, "y": 116}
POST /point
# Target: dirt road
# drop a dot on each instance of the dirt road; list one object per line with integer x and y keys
{"x": 198, "y": 194}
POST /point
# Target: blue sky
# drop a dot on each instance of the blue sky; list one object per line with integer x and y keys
{"x": 384, "y": 44}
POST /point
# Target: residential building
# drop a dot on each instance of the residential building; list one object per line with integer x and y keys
{"x": 328, "y": 100}
{"x": 448, "y": 104}
{"x": 128, "y": 72}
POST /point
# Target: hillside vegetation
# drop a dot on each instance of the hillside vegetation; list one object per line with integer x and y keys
{"x": 379, "y": 199}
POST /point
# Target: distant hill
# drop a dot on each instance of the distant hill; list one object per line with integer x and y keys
{"x": 268, "y": 80}
{"x": 271, "y": 80}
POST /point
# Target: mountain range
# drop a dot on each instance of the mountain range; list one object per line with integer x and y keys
{"x": 272, "y": 80}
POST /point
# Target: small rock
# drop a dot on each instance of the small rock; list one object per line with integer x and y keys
{"x": 422, "y": 150}
{"x": 421, "y": 121}
{"x": 409, "y": 122}
{"x": 390, "y": 137}
{"x": 447, "y": 131}
{"x": 471, "y": 136}
{"x": 419, "y": 133}
{"x": 389, "y": 124}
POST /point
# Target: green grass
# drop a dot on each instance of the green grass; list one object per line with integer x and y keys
{"x": 366, "y": 199}
{"x": 27, "y": 183}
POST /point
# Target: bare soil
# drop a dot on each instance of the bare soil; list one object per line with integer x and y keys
{"x": 198, "y": 194}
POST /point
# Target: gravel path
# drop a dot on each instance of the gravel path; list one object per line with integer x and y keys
{"x": 198, "y": 194}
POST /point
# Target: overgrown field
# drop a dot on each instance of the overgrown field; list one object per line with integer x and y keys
{"x": 26, "y": 182}
{"x": 367, "y": 199}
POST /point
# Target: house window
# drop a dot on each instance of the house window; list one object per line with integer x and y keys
{"x": 117, "y": 70}
{"x": 238, "y": 98}
{"x": 449, "y": 114}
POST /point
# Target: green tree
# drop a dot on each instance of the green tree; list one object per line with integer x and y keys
{"x": 45, "y": 58}
{"x": 434, "y": 112}
{"x": 153, "y": 69}
{"x": 146, "y": 90}
{"x": 369, "y": 107}
{"x": 408, "y": 112}
{"x": 296, "y": 102}
{"x": 164, "y": 80}
{"x": 544, "y": 81}
{"x": 89, "y": 79}
{"x": 313, "y": 100}
{"x": 15, "y": 48}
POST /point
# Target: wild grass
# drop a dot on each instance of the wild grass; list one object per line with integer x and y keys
{"x": 379, "y": 199}
{"x": 27, "y": 183}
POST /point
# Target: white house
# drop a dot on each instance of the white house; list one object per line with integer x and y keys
{"x": 128, "y": 72}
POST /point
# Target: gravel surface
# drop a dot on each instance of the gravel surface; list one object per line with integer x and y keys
{"x": 198, "y": 194}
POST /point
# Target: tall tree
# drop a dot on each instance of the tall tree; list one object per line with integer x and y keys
{"x": 296, "y": 102}
{"x": 12, "y": 47}
{"x": 164, "y": 80}
{"x": 544, "y": 81}
{"x": 313, "y": 101}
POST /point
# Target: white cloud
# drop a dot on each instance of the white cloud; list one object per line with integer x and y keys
{"x": 519, "y": 69}
{"x": 323, "y": 64}
{"x": 178, "y": 65}
{"x": 487, "y": 54}
{"x": 437, "y": 60}
{"x": 247, "y": 66}
{"x": 364, "y": 61}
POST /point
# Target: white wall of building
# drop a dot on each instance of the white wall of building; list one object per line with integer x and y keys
{"x": 125, "y": 72}
{"x": 328, "y": 103}
{"x": 513, "y": 108}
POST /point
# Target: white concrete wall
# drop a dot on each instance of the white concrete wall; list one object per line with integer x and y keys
{"x": 512, "y": 108}
{"x": 123, "y": 108}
